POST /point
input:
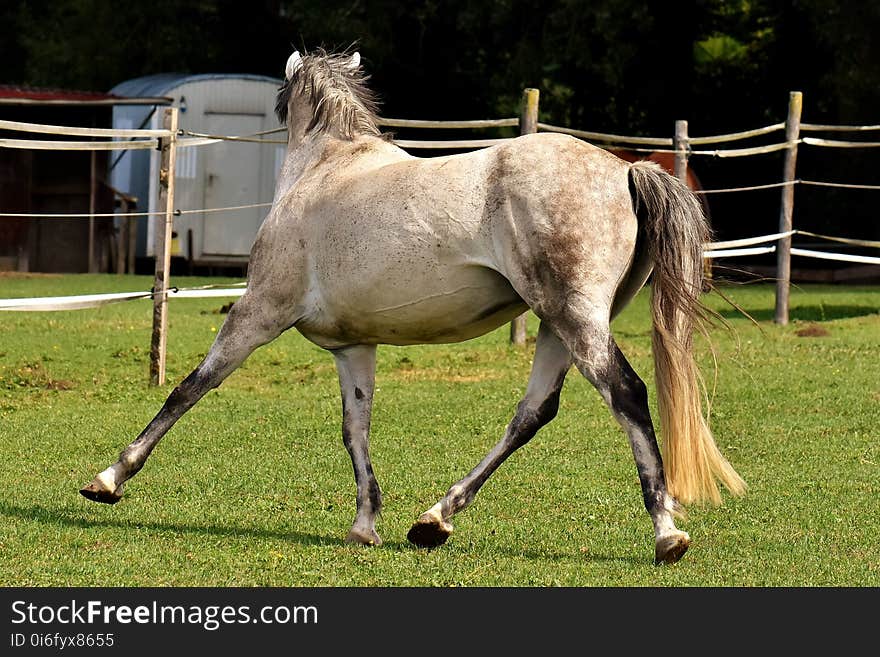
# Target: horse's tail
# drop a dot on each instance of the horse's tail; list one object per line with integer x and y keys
{"x": 675, "y": 230}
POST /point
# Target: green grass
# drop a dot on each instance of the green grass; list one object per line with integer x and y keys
{"x": 254, "y": 487}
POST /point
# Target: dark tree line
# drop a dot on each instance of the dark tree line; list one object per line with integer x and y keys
{"x": 631, "y": 65}
{"x": 626, "y": 66}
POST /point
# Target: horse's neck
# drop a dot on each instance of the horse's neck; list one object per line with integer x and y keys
{"x": 320, "y": 153}
{"x": 302, "y": 155}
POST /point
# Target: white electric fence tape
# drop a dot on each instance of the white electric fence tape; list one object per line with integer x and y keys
{"x": 82, "y": 301}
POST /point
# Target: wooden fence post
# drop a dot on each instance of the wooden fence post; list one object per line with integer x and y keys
{"x": 783, "y": 248}
{"x": 131, "y": 235}
{"x": 122, "y": 237}
{"x": 681, "y": 147}
{"x": 162, "y": 249}
{"x": 528, "y": 124}
{"x": 93, "y": 184}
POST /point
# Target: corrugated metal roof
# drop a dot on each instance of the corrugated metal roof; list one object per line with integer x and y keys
{"x": 42, "y": 93}
{"x": 161, "y": 83}
{"x": 25, "y": 95}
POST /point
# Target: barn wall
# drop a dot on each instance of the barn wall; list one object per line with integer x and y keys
{"x": 41, "y": 181}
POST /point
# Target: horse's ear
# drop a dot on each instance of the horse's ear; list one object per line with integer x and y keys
{"x": 294, "y": 63}
{"x": 355, "y": 61}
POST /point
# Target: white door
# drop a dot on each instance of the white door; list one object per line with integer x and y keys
{"x": 232, "y": 178}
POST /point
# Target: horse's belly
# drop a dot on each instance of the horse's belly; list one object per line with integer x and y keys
{"x": 414, "y": 311}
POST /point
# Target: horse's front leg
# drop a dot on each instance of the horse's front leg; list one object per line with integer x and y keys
{"x": 357, "y": 371}
{"x": 246, "y": 327}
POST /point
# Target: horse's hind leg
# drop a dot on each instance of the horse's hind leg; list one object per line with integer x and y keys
{"x": 539, "y": 405}
{"x": 599, "y": 359}
{"x": 356, "y": 367}
{"x": 246, "y": 328}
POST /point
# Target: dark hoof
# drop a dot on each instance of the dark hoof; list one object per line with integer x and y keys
{"x": 429, "y": 533}
{"x": 97, "y": 493}
{"x": 670, "y": 549}
{"x": 363, "y": 537}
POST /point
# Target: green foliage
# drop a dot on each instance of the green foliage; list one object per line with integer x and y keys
{"x": 93, "y": 44}
{"x": 719, "y": 49}
{"x": 609, "y": 64}
{"x": 254, "y": 487}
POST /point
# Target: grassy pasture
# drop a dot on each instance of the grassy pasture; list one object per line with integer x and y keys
{"x": 253, "y": 486}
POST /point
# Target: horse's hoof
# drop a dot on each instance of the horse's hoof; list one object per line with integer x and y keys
{"x": 96, "y": 492}
{"x": 429, "y": 532}
{"x": 671, "y": 548}
{"x": 363, "y": 537}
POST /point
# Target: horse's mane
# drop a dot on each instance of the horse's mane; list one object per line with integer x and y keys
{"x": 338, "y": 93}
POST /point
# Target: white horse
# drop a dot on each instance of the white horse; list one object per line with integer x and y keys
{"x": 367, "y": 245}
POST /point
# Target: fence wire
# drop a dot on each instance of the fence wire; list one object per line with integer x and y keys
{"x": 143, "y": 139}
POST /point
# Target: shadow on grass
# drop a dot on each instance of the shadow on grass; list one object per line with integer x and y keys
{"x": 71, "y": 518}
{"x": 544, "y": 557}
{"x": 820, "y": 313}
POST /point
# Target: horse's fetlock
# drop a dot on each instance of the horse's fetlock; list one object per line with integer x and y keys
{"x": 131, "y": 463}
{"x": 375, "y": 495}
{"x": 654, "y": 496}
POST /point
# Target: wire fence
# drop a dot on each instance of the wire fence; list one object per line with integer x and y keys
{"x": 136, "y": 139}
{"x": 168, "y": 139}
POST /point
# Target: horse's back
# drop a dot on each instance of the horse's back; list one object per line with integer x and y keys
{"x": 443, "y": 249}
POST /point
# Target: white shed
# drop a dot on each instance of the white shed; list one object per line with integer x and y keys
{"x": 213, "y": 176}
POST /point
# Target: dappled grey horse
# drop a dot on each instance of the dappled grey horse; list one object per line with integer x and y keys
{"x": 366, "y": 245}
